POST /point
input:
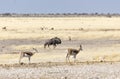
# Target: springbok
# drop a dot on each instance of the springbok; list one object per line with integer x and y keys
{"x": 27, "y": 54}
{"x": 73, "y": 52}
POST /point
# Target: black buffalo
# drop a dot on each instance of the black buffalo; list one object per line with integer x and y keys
{"x": 53, "y": 41}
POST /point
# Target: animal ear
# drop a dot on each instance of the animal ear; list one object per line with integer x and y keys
{"x": 33, "y": 48}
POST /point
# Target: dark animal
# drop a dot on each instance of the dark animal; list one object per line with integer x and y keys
{"x": 69, "y": 38}
{"x": 4, "y": 28}
{"x": 73, "y": 52}
{"x": 52, "y": 28}
{"x": 53, "y": 41}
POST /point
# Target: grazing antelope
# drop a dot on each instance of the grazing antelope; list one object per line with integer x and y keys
{"x": 27, "y": 54}
{"x": 73, "y": 52}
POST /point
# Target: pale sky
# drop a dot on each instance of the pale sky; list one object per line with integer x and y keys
{"x": 59, "y": 6}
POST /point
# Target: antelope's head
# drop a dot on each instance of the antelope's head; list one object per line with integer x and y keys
{"x": 81, "y": 47}
{"x": 35, "y": 50}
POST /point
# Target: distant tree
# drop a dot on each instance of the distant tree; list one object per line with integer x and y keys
{"x": 109, "y": 15}
{"x": 6, "y": 14}
{"x": 84, "y": 13}
{"x": 64, "y": 14}
{"x": 74, "y": 13}
{"x": 57, "y": 13}
{"x": 69, "y": 14}
{"x": 96, "y": 13}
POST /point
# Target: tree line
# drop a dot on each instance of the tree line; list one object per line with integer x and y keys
{"x": 58, "y": 14}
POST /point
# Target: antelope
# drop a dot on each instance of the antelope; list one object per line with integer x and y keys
{"x": 73, "y": 52}
{"x": 27, "y": 54}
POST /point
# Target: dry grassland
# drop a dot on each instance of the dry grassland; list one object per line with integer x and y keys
{"x": 24, "y": 28}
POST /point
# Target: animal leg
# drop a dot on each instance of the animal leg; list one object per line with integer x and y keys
{"x": 69, "y": 59}
{"x": 66, "y": 58}
{"x": 48, "y": 46}
{"x": 44, "y": 46}
{"x": 20, "y": 59}
{"x": 21, "y": 56}
{"x": 54, "y": 46}
{"x": 74, "y": 58}
{"x": 29, "y": 59}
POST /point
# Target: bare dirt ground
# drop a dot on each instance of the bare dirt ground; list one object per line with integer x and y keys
{"x": 61, "y": 71}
